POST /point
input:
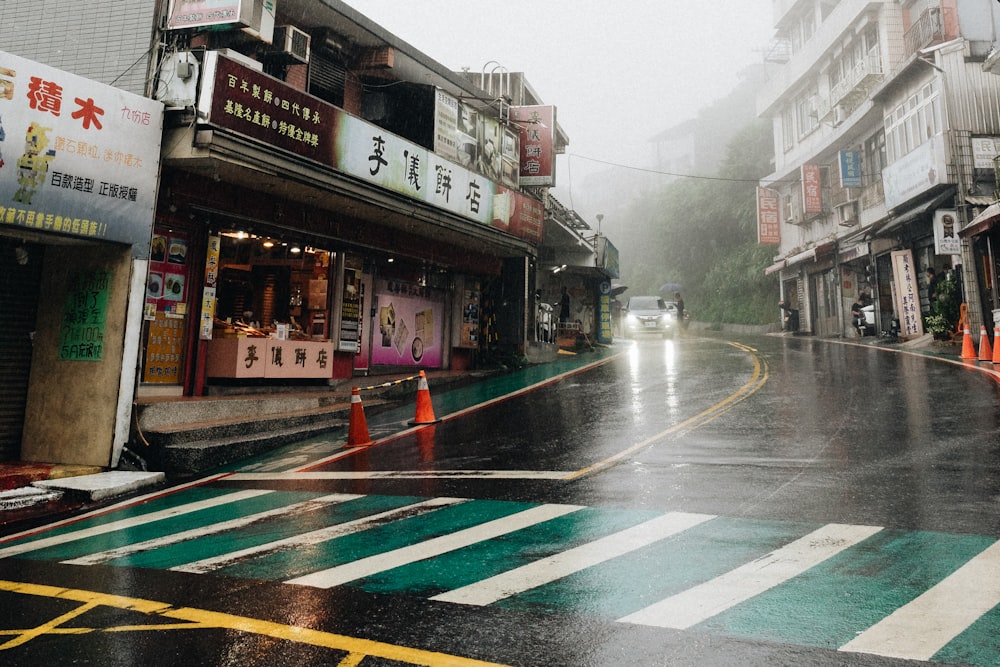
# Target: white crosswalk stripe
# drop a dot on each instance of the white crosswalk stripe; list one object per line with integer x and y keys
{"x": 125, "y": 524}
{"x": 563, "y": 564}
{"x": 704, "y": 601}
{"x": 195, "y": 533}
{"x": 434, "y": 547}
{"x": 317, "y": 536}
{"x": 921, "y": 628}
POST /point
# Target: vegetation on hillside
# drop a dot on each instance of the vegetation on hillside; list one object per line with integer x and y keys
{"x": 702, "y": 234}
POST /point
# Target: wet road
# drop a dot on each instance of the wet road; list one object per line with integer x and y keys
{"x": 665, "y": 502}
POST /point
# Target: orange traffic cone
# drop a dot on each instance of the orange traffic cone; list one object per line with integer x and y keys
{"x": 985, "y": 350}
{"x": 357, "y": 432}
{"x": 425, "y": 411}
{"x": 996, "y": 344}
{"x": 968, "y": 350}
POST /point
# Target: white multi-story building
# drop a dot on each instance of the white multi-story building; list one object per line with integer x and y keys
{"x": 885, "y": 126}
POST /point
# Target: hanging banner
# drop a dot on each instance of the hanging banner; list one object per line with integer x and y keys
{"x": 768, "y": 216}
{"x": 537, "y": 127}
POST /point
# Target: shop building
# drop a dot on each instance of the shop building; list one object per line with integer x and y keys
{"x": 330, "y": 202}
{"x": 883, "y": 121}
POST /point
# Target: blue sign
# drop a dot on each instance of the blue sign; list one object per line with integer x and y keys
{"x": 850, "y": 169}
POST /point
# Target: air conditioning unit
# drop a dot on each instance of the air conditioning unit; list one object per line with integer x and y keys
{"x": 290, "y": 43}
{"x": 847, "y": 213}
{"x": 261, "y": 23}
{"x": 839, "y": 115}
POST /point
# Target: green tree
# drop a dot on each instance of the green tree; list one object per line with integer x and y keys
{"x": 701, "y": 233}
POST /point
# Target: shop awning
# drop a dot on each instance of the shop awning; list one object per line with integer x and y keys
{"x": 979, "y": 200}
{"x": 850, "y": 253}
{"x": 777, "y": 266}
{"x": 811, "y": 255}
{"x": 982, "y": 222}
{"x": 902, "y": 218}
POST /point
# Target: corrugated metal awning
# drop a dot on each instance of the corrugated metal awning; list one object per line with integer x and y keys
{"x": 982, "y": 222}
{"x": 979, "y": 200}
{"x": 777, "y": 266}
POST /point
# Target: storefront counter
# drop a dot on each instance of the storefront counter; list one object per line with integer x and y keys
{"x": 269, "y": 358}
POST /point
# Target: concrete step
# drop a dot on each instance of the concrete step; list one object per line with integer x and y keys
{"x": 103, "y": 485}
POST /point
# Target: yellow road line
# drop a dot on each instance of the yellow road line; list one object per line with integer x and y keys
{"x": 357, "y": 649}
{"x": 757, "y": 379}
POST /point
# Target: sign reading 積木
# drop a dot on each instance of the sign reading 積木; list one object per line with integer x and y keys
{"x": 77, "y": 157}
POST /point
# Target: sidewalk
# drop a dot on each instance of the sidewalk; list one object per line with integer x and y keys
{"x": 32, "y": 494}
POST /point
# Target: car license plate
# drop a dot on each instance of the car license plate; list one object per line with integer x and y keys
{"x": 650, "y": 324}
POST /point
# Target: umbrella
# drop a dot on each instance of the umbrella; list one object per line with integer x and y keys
{"x": 618, "y": 289}
{"x": 671, "y": 287}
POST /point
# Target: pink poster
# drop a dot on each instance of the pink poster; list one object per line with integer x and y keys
{"x": 408, "y": 326}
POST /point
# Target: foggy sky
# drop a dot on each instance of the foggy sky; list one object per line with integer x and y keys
{"x": 618, "y": 72}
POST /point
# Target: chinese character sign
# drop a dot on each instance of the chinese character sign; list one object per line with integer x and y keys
{"x": 907, "y": 294}
{"x": 85, "y": 313}
{"x": 812, "y": 189}
{"x": 537, "y": 126}
{"x": 946, "y": 241}
{"x": 768, "y": 216}
{"x": 77, "y": 157}
{"x": 850, "y": 169}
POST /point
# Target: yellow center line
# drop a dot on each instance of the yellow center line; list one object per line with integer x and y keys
{"x": 356, "y": 648}
{"x": 757, "y": 380}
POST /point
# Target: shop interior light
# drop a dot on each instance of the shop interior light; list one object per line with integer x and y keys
{"x": 268, "y": 243}
{"x": 295, "y": 249}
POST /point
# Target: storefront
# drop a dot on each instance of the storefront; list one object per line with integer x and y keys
{"x": 77, "y": 194}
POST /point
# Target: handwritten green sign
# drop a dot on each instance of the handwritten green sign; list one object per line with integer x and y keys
{"x": 85, "y": 315}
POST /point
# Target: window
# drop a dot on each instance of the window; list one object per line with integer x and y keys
{"x": 805, "y": 114}
{"x": 873, "y": 158}
{"x": 788, "y": 129}
{"x": 914, "y": 121}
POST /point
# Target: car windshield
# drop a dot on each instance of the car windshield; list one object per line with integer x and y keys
{"x": 646, "y": 303}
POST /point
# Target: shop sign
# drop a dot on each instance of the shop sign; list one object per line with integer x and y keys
{"x": 850, "y": 169}
{"x": 202, "y": 13}
{"x": 536, "y": 124}
{"x": 907, "y": 294}
{"x": 164, "y": 349}
{"x": 208, "y": 297}
{"x": 85, "y": 315}
{"x": 918, "y": 171}
{"x": 946, "y": 241}
{"x": 82, "y": 158}
{"x": 812, "y": 189}
{"x": 984, "y": 151}
{"x": 768, "y": 216}
{"x": 260, "y": 107}
{"x": 446, "y": 125}
{"x": 518, "y": 214}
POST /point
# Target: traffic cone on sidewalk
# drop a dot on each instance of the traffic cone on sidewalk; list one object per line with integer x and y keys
{"x": 357, "y": 432}
{"x": 425, "y": 411}
{"x": 985, "y": 350}
{"x": 968, "y": 349}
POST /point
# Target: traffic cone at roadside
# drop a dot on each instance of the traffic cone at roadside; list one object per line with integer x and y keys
{"x": 968, "y": 349}
{"x": 996, "y": 344}
{"x": 357, "y": 432}
{"x": 985, "y": 350}
{"x": 425, "y": 411}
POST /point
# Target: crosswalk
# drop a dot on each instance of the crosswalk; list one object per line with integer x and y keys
{"x": 863, "y": 589}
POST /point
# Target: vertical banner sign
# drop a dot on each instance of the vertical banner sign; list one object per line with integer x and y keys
{"x": 537, "y": 127}
{"x": 812, "y": 191}
{"x": 350, "y": 313}
{"x": 604, "y": 332}
{"x": 850, "y": 169}
{"x": 85, "y": 314}
{"x": 208, "y": 300}
{"x": 946, "y": 241}
{"x": 907, "y": 294}
{"x": 768, "y": 216}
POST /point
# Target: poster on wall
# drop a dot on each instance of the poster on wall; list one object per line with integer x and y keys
{"x": 350, "y": 313}
{"x": 166, "y": 283}
{"x": 409, "y": 326}
{"x": 85, "y": 315}
{"x": 946, "y": 241}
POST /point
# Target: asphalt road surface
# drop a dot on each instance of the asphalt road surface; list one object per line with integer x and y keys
{"x": 698, "y": 501}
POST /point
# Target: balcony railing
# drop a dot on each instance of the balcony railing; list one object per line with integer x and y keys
{"x": 856, "y": 83}
{"x": 928, "y": 29}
